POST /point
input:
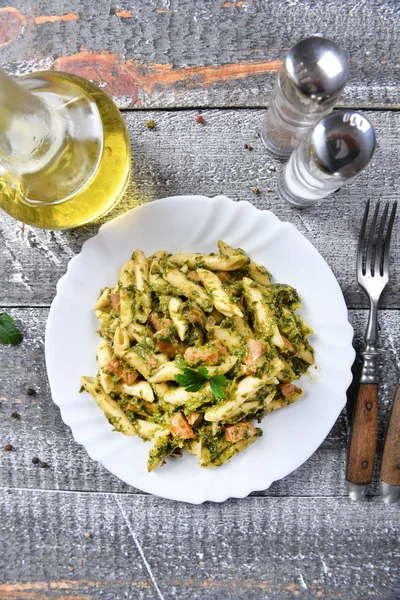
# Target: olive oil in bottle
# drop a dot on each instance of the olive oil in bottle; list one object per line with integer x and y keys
{"x": 64, "y": 150}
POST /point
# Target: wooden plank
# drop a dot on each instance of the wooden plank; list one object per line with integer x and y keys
{"x": 239, "y": 550}
{"x": 39, "y": 432}
{"x": 181, "y": 156}
{"x": 197, "y": 53}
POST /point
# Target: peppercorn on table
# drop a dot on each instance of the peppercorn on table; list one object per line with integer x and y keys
{"x": 192, "y": 80}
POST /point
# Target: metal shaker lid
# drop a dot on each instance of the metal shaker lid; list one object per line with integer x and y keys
{"x": 317, "y": 67}
{"x": 342, "y": 143}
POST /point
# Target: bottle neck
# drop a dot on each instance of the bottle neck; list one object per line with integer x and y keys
{"x": 26, "y": 127}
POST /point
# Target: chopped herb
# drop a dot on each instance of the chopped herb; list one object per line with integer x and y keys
{"x": 44, "y": 465}
{"x": 150, "y": 124}
{"x": 9, "y": 332}
{"x": 193, "y": 380}
{"x": 255, "y": 190}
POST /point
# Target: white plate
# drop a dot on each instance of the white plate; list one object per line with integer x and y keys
{"x": 195, "y": 224}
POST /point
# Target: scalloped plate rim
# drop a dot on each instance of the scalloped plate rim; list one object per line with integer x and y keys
{"x": 263, "y": 483}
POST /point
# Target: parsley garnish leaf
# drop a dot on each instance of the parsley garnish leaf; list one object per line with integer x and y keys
{"x": 9, "y": 332}
{"x": 193, "y": 380}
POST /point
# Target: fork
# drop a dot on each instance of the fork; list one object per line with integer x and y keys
{"x": 372, "y": 275}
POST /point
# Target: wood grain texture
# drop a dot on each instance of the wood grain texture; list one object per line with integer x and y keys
{"x": 390, "y": 469}
{"x": 40, "y": 432}
{"x": 199, "y": 53}
{"x": 181, "y": 156}
{"x": 364, "y": 427}
{"x": 142, "y": 547}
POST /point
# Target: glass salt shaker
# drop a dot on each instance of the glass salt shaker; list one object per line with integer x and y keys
{"x": 308, "y": 85}
{"x": 335, "y": 151}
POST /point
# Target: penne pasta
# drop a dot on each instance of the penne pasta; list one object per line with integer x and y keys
{"x": 126, "y": 276}
{"x": 175, "y": 310}
{"x": 185, "y": 287}
{"x": 122, "y": 342}
{"x": 214, "y": 262}
{"x": 104, "y": 357}
{"x": 114, "y": 414}
{"x": 141, "y": 390}
{"x": 103, "y": 300}
{"x": 262, "y": 313}
{"x": 126, "y": 308}
{"x": 222, "y": 300}
{"x": 142, "y": 294}
{"x": 195, "y": 346}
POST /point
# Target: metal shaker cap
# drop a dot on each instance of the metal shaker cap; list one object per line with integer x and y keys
{"x": 342, "y": 143}
{"x": 317, "y": 67}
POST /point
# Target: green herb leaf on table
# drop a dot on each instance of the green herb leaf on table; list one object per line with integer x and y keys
{"x": 193, "y": 380}
{"x": 9, "y": 332}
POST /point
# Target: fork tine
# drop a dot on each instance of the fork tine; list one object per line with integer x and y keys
{"x": 385, "y": 270}
{"x": 361, "y": 240}
{"x": 371, "y": 240}
{"x": 380, "y": 240}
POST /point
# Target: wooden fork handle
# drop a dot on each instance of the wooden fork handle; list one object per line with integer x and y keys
{"x": 390, "y": 468}
{"x": 362, "y": 447}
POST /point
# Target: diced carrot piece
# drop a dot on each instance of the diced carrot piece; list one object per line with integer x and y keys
{"x": 235, "y": 433}
{"x": 115, "y": 300}
{"x": 179, "y": 427}
{"x": 287, "y": 388}
{"x": 287, "y": 343}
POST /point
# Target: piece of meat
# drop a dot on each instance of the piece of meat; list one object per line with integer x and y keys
{"x": 115, "y": 301}
{"x": 167, "y": 348}
{"x": 194, "y": 316}
{"x": 287, "y": 389}
{"x": 235, "y": 433}
{"x": 195, "y": 418}
{"x": 287, "y": 343}
{"x": 179, "y": 427}
{"x": 160, "y": 324}
{"x": 209, "y": 354}
{"x": 255, "y": 351}
{"x": 128, "y": 376}
{"x": 193, "y": 276}
{"x": 210, "y": 322}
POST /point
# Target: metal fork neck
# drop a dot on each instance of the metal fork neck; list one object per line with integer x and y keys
{"x": 369, "y": 373}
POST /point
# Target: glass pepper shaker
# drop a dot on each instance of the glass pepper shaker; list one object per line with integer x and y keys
{"x": 335, "y": 151}
{"x": 307, "y": 87}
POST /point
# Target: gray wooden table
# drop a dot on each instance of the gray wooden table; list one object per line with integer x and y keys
{"x": 74, "y": 531}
